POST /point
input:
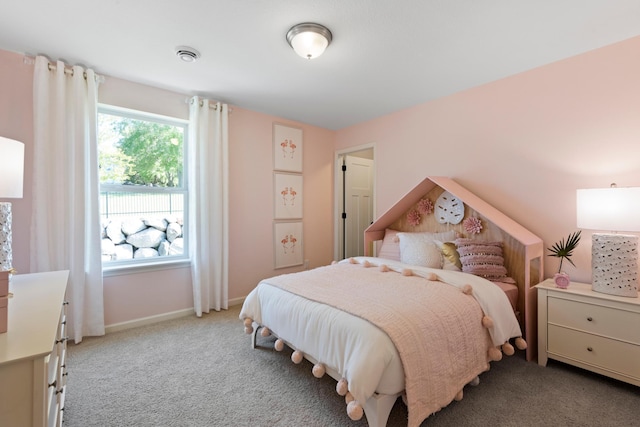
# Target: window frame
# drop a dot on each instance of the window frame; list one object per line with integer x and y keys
{"x": 112, "y": 268}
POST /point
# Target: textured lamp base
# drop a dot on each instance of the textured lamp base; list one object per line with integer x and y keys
{"x": 6, "y": 258}
{"x": 614, "y": 259}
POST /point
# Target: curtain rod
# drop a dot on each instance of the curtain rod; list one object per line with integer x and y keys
{"x": 68, "y": 69}
{"x": 213, "y": 104}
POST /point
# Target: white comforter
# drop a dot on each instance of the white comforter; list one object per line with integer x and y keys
{"x": 348, "y": 344}
{"x": 357, "y": 350}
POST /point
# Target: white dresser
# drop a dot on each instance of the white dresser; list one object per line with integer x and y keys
{"x": 33, "y": 350}
{"x": 592, "y": 330}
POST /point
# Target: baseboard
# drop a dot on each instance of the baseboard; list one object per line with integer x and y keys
{"x": 236, "y": 301}
{"x": 147, "y": 320}
{"x": 159, "y": 318}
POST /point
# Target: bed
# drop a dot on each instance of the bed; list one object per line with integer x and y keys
{"x": 443, "y": 297}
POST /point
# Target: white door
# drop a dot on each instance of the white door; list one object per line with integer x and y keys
{"x": 358, "y": 203}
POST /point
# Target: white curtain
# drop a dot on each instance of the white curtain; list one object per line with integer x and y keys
{"x": 65, "y": 226}
{"x": 209, "y": 204}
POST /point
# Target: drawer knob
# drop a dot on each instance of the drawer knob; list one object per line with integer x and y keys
{"x": 589, "y": 348}
{"x": 53, "y": 384}
{"x": 590, "y": 319}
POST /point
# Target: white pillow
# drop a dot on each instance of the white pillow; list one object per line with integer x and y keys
{"x": 420, "y": 249}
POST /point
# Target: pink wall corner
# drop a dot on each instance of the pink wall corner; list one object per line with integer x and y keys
{"x": 524, "y": 143}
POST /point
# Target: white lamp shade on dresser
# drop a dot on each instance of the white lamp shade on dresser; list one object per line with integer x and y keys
{"x": 11, "y": 177}
{"x": 12, "y": 168}
{"x": 609, "y": 209}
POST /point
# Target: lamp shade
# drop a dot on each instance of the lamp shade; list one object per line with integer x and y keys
{"x": 609, "y": 209}
{"x": 11, "y": 168}
{"x": 309, "y": 40}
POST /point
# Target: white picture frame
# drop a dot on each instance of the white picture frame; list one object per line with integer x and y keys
{"x": 287, "y": 148}
{"x": 287, "y": 244}
{"x": 287, "y": 195}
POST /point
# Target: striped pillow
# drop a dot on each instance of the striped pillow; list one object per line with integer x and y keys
{"x": 484, "y": 259}
{"x": 390, "y": 247}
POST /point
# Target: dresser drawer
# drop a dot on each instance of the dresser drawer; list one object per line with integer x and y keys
{"x": 594, "y": 318}
{"x": 612, "y": 355}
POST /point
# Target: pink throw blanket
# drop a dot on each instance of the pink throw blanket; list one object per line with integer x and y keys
{"x": 435, "y": 327}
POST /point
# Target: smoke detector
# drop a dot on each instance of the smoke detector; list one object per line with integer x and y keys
{"x": 187, "y": 54}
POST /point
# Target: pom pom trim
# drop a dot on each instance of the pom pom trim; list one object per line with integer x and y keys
{"x": 508, "y": 349}
{"x": 318, "y": 370}
{"x": 495, "y": 355}
{"x": 355, "y": 410}
{"x": 342, "y": 387}
{"x": 487, "y": 322}
{"x": 296, "y": 357}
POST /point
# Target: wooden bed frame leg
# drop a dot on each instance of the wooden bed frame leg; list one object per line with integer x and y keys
{"x": 378, "y": 407}
{"x": 254, "y": 336}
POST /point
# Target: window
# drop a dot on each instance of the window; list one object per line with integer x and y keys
{"x": 143, "y": 192}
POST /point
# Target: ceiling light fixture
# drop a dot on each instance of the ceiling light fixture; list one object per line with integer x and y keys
{"x": 309, "y": 40}
{"x": 187, "y": 54}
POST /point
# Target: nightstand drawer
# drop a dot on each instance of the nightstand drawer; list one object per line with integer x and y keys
{"x": 593, "y": 318}
{"x": 612, "y": 355}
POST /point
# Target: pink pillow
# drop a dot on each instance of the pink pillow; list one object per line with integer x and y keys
{"x": 484, "y": 259}
{"x": 390, "y": 248}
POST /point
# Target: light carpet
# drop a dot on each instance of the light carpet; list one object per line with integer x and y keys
{"x": 203, "y": 372}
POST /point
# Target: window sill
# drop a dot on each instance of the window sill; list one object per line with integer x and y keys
{"x": 147, "y": 266}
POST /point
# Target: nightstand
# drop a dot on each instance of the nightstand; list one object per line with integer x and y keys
{"x": 588, "y": 329}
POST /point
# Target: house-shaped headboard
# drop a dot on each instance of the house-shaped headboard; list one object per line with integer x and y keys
{"x": 523, "y": 250}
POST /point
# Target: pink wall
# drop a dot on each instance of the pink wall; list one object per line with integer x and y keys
{"x": 16, "y": 118}
{"x": 251, "y": 198}
{"x": 524, "y": 143}
{"x": 135, "y": 296}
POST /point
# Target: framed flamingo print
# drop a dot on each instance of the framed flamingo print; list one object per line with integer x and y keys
{"x": 287, "y": 148}
{"x": 287, "y": 239}
{"x": 287, "y": 193}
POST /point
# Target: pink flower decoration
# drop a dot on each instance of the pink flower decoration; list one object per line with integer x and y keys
{"x": 414, "y": 217}
{"x": 472, "y": 225}
{"x": 425, "y": 206}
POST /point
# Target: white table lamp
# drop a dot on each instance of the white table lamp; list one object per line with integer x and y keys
{"x": 614, "y": 257}
{"x": 11, "y": 178}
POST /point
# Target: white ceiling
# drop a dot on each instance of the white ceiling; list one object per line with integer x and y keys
{"x": 385, "y": 55}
